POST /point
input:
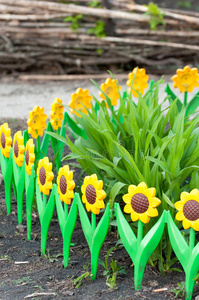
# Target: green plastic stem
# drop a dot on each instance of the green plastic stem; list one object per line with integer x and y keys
{"x": 93, "y": 221}
{"x": 38, "y": 146}
{"x": 30, "y": 191}
{"x": 139, "y": 233}
{"x": 185, "y": 98}
{"x": 191, "y": 239}
{"x": 65, "y": 211}
{"x": 67, "y": 220}
{"x": 44, "y": 200}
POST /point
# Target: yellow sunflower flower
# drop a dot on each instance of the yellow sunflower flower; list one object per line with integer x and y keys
{"x": 139, "y": 79}
{"x": 79, "y": 99}
{"x": 45, "y": 175}
{"x": 65, "y": 184}
{"x": 56, "y": 114}
{"x": 188, "y": 209}
{"x": 18, "y": 148}
{"x": 29, "y": 156}
{"x": 141, "y": 202}
{"x": 186, "y": 79}
{"x": 93, "y": 194}
{"x": 5, "y": 139}
{"x": 36, "y": 122}
{"x": 110, "y": 89}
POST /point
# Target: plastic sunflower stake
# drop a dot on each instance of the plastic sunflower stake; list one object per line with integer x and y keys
{"x": 95, "y": 235}
{"x": 187, "y": 253}
{"x": 93, "y": 196}
{"x": 139, "y": 248}
{"x": 19, "y": 172}
{"x": 7, "y": 172}
{"x": 185, "y": 80}
{"x": 45, "y": 211}
{"x": 67, "y": 220}
{"x": 6, "y": 157}
{"x": 141, "y": 204}
{"x": 30, "y": 192}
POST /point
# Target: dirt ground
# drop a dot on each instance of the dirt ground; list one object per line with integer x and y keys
{"x": 43, "y": 277}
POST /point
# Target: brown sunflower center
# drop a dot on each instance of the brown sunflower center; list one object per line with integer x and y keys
{"x": 139, "y": 203}
{"x": 191, "y": 210}
{"x": 16, "y": 149}
{"x": 63, "y": 185}
{"x": 3, "y": 140}
{"x": 42, "y": 175}
{"x": 27, "y": 157}
{"x": 91, "y": 194}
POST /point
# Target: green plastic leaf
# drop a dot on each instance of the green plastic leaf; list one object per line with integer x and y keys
{"x": 178, "y": 242}
{"x": 126, "y": 233}
{"x": 99, "y": 236}
{"x": 60, "y": 211}
{"x": 71, "y": 220}
{"x": 150, "y": 242}
{"x": 85, "y": 222}
{"x": 173, "y": 97}
{"x": 49, "y": 210}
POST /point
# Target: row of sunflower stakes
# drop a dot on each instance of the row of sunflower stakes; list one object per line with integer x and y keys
{"x": 26, "y": 168}
{"x": 140, "y": 202}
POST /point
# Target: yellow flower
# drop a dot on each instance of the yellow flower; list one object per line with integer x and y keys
{"x": 186, "y": 79}
{"x": 188, "y": 209}
{"x": 29, "y": 156}
{"x": 18, "y": 148}
{"x": 139, "y": 79}
{"x": 45, "y": 176}
{"x": 110, "y": 89}
{"x": 141, "y": 202}
{"x": 65, "y": 184}
{"x": 80, "y": 99}
{"x": 56, "y": 114}
{"x": 36, "y": 122}
{"x": 93, "y": 194}
{"x": 5, "y": 139}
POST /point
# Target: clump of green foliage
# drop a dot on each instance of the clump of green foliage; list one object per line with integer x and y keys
{"x": 99, "y": 29}
{"x": 156, "y": 16}
{"x": 75, "y": 21}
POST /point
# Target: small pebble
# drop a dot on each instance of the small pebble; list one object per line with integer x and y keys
{"x": 20, "y": 228}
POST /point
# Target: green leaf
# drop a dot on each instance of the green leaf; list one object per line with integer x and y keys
{"x": 49, "y": 209}
{"x": 178, "y": 242}
{"x": 173, "y": 97}
{"x": 116, "y": 188}
{"x": 73, "y": 125}
{"x": 168, "y": 201}
{"x": 193, "y": 105}
{"x": 99, "y": 236}
{"x": 85, "y": 222}
{"x": 150, "y": 242}
{"x": 126, "y": 233}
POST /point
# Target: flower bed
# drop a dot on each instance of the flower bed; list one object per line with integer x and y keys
{"x": 129, "y": 148}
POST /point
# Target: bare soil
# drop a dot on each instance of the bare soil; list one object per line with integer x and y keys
{"x": 44, "y": 277}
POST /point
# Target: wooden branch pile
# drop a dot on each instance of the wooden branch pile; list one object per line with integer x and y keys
{"x": 35, "y": 39}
